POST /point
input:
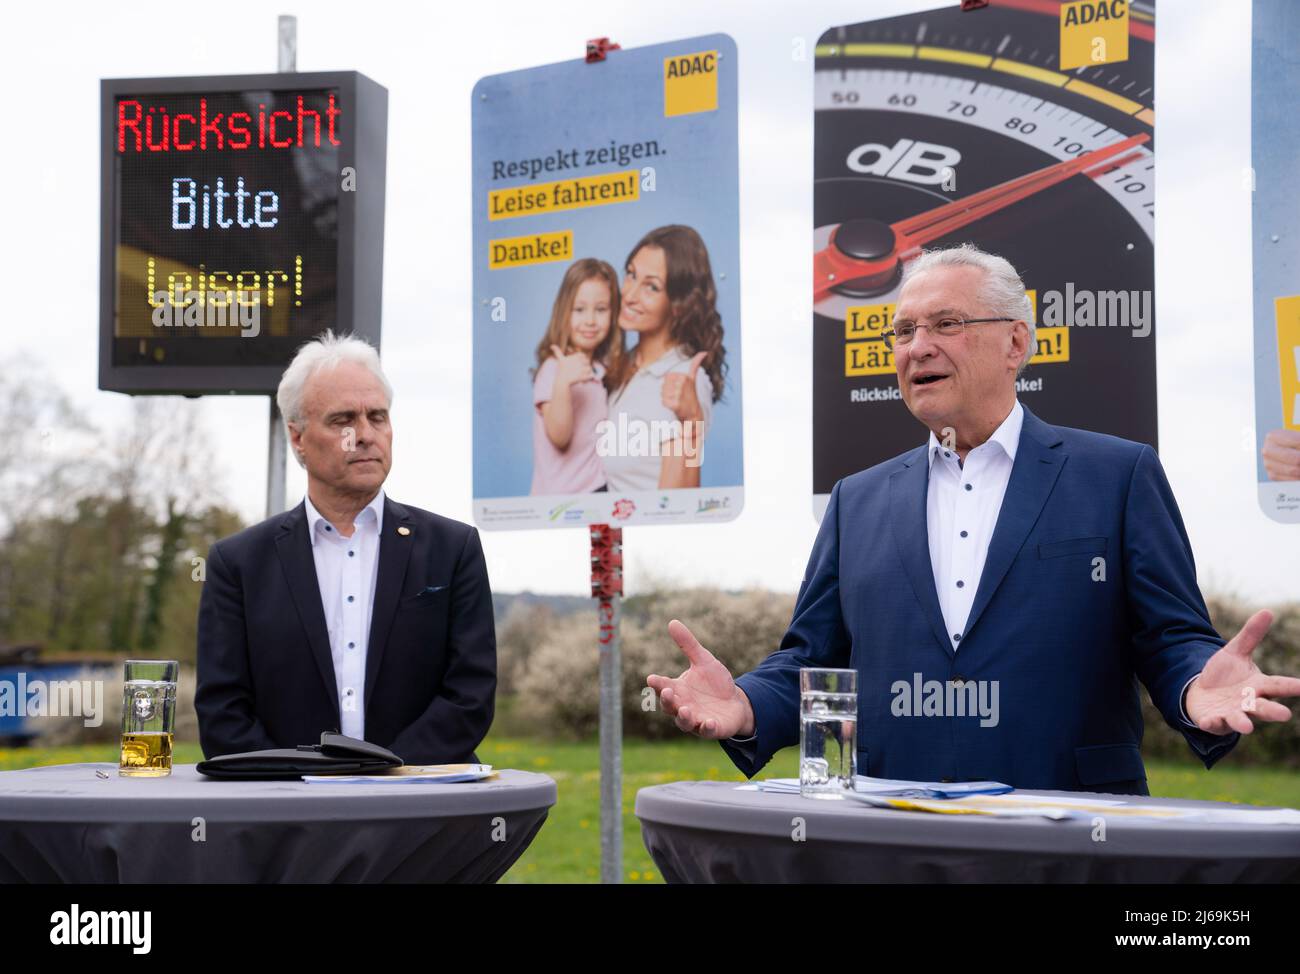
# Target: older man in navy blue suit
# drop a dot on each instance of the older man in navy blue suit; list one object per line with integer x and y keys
{"x": 1029, "y": 572}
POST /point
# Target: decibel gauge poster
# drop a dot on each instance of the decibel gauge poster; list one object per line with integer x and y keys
{"x": 1026, "y": 128}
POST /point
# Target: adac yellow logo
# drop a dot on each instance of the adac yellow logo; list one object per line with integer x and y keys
{"x": 691, "y": 83}
{"x": 1093, "y": 32}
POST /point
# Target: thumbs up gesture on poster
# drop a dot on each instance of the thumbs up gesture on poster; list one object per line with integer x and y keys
{"x": 704, "y": 700}
{"x": 1282, "y": 455}
{"x": 575, "y": 367}
{"x": 679, "y": 391}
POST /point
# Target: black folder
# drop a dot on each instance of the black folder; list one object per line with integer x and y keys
{"x": 335, "y": 754}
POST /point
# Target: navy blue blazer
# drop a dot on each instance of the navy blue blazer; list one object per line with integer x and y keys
{"x": 1067, "y": 651}
{"x": 265, "y": 674}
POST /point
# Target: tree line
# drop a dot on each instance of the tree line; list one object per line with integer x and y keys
{"x": 103, "y": 531}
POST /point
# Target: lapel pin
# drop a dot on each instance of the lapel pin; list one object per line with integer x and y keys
{"x": 403, "y": 531}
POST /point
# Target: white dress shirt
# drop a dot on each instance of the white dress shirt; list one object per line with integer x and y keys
{"x": 346, "y": 570}
{"x": 961, "y": 509}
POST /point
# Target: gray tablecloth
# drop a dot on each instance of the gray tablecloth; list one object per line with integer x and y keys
{"x": 64, "y": 824}
{"x": 709, "y": 832}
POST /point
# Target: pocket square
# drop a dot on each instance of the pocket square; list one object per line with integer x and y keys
{"x": 425, "y": 596}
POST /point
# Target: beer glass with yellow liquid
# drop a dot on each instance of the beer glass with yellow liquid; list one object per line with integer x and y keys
{"x": 148, "y": 717}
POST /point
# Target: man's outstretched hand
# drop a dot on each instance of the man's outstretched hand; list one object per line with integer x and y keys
{"x": 1232, "y": 689}
{"x": 704, "y": 700}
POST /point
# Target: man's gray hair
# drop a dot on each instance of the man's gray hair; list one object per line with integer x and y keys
{"x": 1002, "y": 291}
{"x": 326, "y": 351}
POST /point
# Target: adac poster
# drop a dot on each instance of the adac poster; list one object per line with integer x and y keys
{"x": 607, "y": 290}
{"x": 1275, "y": 147}
{"x": 1027, "y": 128}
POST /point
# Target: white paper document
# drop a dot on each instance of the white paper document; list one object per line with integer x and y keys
{"x": 410, "y": 774}
{"x": 864, "y": 785}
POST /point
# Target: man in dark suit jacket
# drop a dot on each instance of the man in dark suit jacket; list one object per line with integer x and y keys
{"x": 350, "y": 612}
{"x": 999, "y": 590}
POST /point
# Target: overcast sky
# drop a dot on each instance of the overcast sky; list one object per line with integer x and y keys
{"x": 51, "y": 60}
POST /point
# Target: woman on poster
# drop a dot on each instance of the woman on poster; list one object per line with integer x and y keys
{"x": 662, "y": 393}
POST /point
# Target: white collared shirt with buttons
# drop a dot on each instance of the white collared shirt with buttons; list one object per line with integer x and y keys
{"x": 961, "y": 510}
{"x": 346, "y": 571}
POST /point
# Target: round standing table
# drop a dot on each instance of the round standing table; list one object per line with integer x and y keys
{"x": 711, "y": 832}
{"x": 65, "y": 824}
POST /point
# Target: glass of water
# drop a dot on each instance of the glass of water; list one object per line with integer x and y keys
{"x": 828, "y": 733}
{"x": 148, "y": 717}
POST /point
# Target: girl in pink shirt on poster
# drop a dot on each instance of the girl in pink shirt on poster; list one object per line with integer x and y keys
{"x": 582, "y": 343}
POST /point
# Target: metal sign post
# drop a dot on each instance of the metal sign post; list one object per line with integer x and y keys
{"x": 276, "y": 444}
{"x": 607, "y": 589}
{"x": 287, "y": 48}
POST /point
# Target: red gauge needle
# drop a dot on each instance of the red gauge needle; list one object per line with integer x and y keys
{"x": 870, "y": 252}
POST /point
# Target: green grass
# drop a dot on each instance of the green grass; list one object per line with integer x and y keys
{"x": 567, "y": 849}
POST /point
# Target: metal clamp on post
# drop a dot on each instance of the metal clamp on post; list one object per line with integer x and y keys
{"x": 606, "y": 561}
{"x": 598, "y": 47}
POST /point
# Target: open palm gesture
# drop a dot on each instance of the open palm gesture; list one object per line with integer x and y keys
{"x": 704, "y": 700}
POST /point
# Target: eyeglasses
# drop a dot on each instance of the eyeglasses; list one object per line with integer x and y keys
{"x": 904, "y": 331}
